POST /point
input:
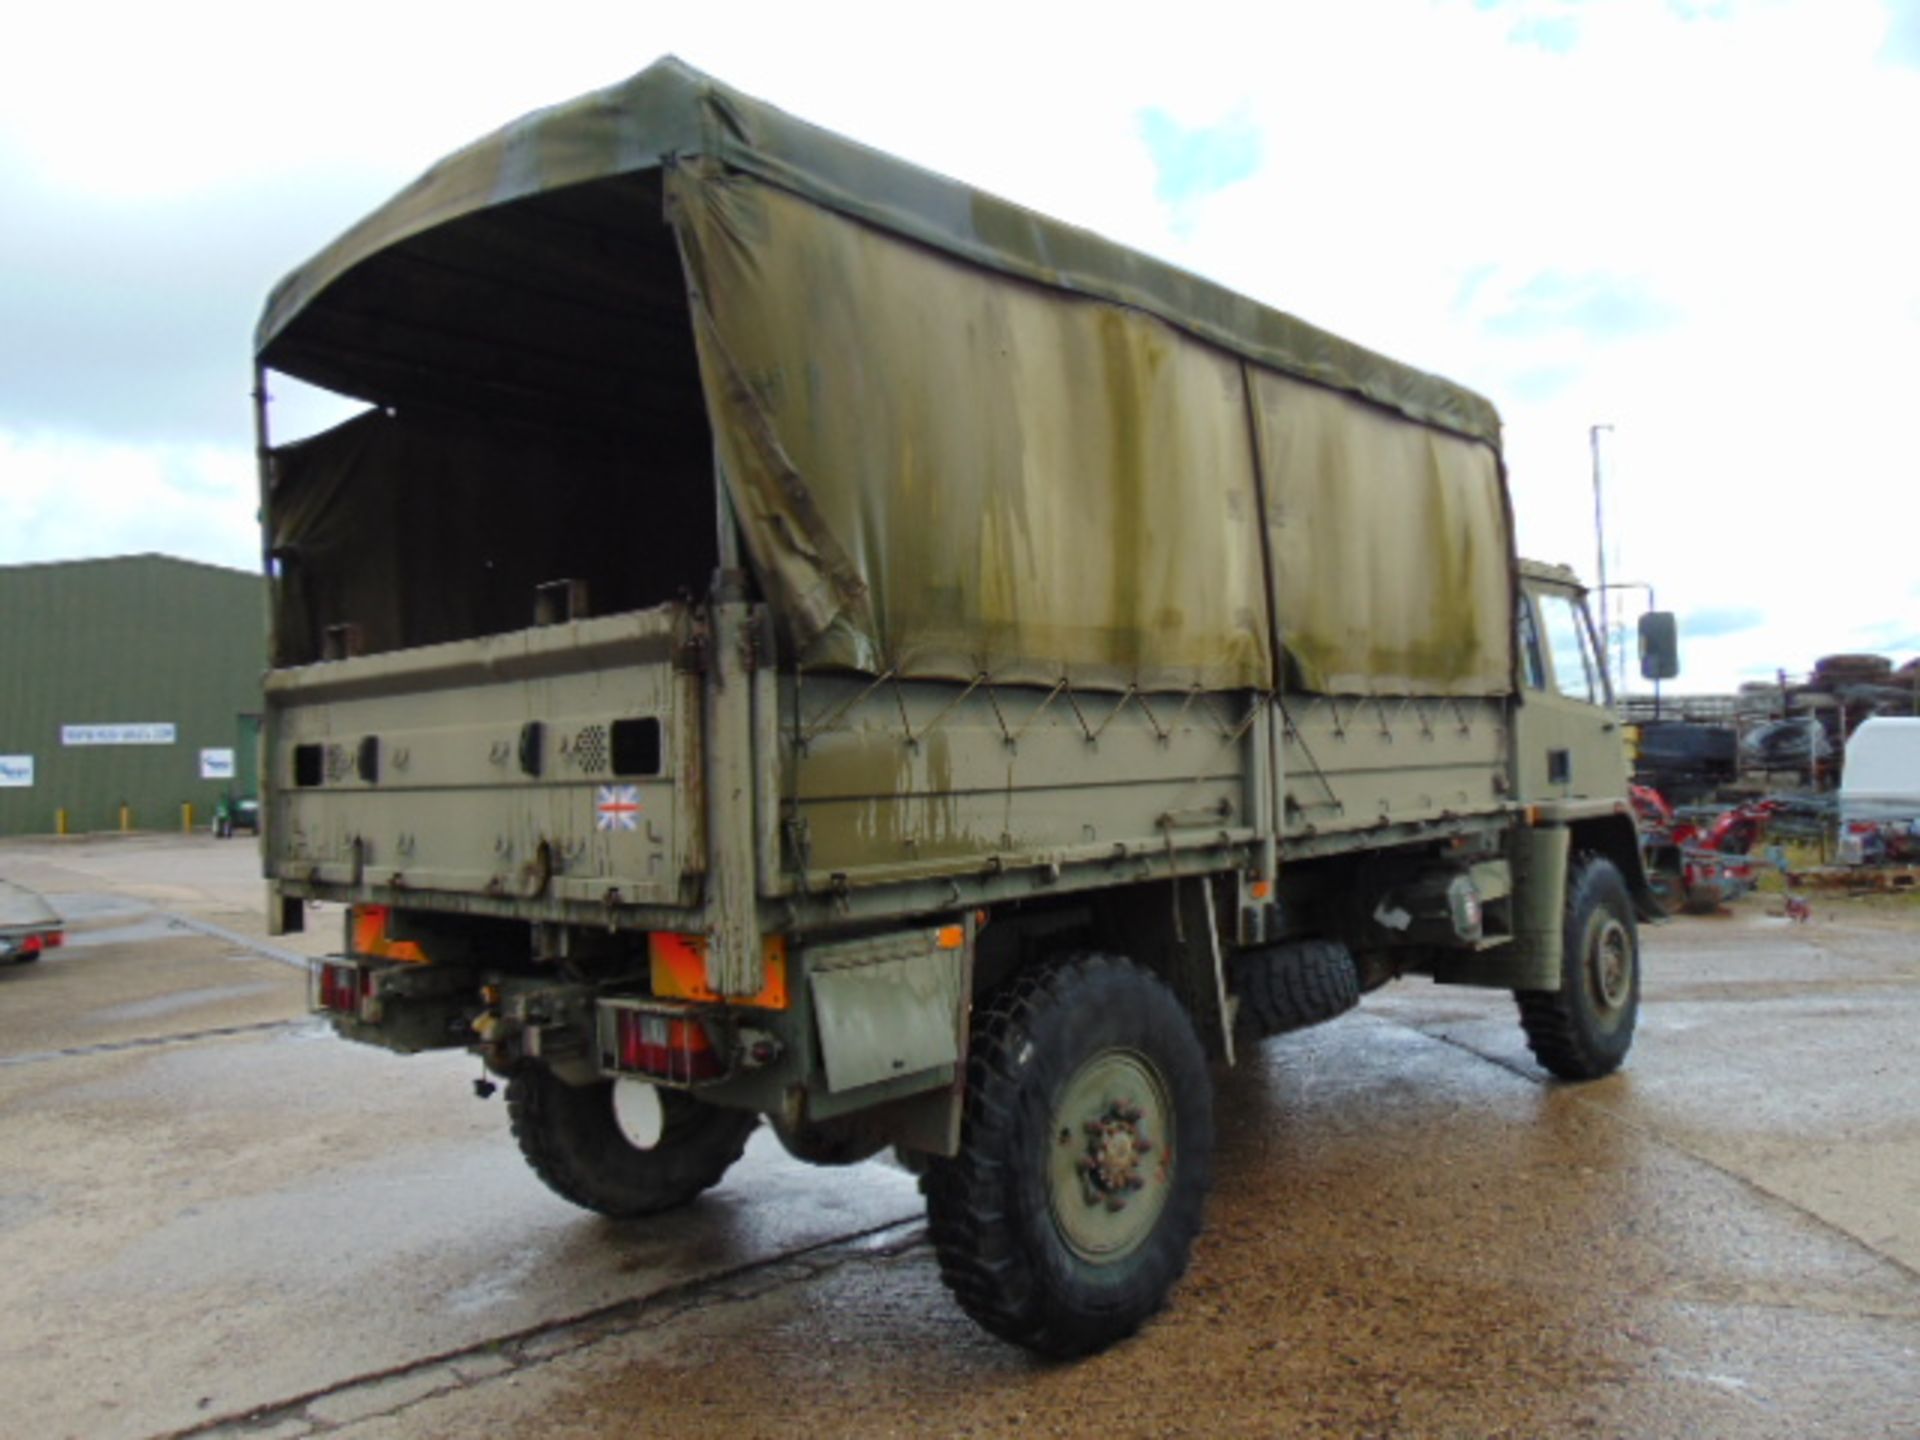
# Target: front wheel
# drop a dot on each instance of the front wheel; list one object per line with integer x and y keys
{"x": 573, "y": 1138}
{"x": 1070, "y": 1211}
{"x": 1584, "y": 1029}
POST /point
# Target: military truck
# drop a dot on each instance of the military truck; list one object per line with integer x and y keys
{"x": 795, "y": 637}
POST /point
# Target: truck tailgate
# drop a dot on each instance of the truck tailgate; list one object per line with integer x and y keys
{"x": 531, "y": 773}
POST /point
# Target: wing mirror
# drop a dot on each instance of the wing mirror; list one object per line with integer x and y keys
{"x": 1659, "y": 645}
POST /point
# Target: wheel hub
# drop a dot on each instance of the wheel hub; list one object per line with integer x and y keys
{"x": 1613, "y": 964}
{"x": 1116, "y": 1144}
{"x": 1111, "y": 1161}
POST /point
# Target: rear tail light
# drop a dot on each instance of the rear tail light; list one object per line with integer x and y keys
{"x": 49, "y": 940}
{"x": 341, "y": 988}
{"x": 666, "y": 1047}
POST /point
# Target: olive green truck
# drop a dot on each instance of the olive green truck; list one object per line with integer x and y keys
{"x": 792, "y": 636}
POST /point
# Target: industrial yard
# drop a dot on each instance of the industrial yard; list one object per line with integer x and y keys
{"x": 1413, "y": 1231}
{"x": 780, "y": 753}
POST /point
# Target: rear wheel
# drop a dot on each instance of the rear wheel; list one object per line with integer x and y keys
{"x": 573, "y": 1138}
{"x": 1070, "y": 1211}
{"x": 1584, "y": 1029}
{"x": 828, "y": 1142}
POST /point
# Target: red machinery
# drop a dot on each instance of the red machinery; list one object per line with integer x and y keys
{"x": 1694, "y": 866}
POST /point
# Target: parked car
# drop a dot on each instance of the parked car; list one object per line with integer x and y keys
{"x": 28, "y": 925}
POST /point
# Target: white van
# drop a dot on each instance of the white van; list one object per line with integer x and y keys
{"x": 1880, "y": 794}
{"x": 1881, "y": 780}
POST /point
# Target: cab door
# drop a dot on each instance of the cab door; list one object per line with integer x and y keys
{"x": 1567, "y": 740}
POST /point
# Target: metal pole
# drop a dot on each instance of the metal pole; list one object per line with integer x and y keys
{"x": 263, "y": 462}
{"x": 1600, "y": 546}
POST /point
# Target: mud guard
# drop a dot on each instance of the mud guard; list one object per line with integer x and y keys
{"x": 1531, "y": 959}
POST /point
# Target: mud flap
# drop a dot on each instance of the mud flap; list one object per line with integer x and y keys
{"x": 890, "y": 1008}
{"x": 1531, "y": 959}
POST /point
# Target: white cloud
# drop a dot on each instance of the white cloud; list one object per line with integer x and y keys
{"x": 1731, "y": 187}
{"x": 1435, "y": 179}
{"x": 64, "y": 499}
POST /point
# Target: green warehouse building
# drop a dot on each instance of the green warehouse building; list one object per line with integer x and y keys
{"x": 126, "y": 682}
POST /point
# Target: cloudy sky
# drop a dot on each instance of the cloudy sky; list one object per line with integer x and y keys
{"x": 1694, "y": 221}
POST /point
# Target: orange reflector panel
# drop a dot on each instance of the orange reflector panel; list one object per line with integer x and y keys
{"x": 370, "y": 937}
{"x": 952, "y": 937}
{"x": 1260, "y": 889}
{"x": 679, "y": 964}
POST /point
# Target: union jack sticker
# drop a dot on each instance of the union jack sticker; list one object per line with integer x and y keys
{"x": 617, "y": 808}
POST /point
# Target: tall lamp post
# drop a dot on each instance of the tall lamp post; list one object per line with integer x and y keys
{"x": 1600, "y": 543}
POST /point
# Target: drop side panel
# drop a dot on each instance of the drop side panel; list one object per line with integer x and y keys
{"x": 539, "y": 774}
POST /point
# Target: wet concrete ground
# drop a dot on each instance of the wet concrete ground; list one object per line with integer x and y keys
{"x": 211, "y": 1208}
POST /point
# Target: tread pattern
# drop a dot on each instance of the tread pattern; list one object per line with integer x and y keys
{"x": 964, "y": 1211}
{"x": 1562, "y": 1031}
{"x": 1292, "y": 986}
{"x": 980, "y": 1203}
{"x": 571, "y": 1140}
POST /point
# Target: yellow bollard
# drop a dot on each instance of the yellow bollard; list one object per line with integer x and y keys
{"x": 186, "y": 817}
{"x": 126, "y": 819}
{"x": 59, "y": 822}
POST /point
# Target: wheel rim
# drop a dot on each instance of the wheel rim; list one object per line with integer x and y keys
{"x": 1111, "y": 1161}
{"x": 1610, "y": 963}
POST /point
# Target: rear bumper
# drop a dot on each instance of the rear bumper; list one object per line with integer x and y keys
{"x": 27, "y": 944}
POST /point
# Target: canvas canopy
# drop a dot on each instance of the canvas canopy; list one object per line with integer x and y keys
{"x": 960, "y": 438}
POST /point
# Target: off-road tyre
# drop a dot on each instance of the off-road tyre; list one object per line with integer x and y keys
{"x": 828, "y": 1143}
{"x": 570, "y": 1137}
{"x": 1292, "y": 986}
{"x": 1021, "y": 1219}
{"x": 1584, "y": 1029}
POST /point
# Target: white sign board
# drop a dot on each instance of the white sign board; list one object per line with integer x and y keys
{"x": 117, "y": 735}
{"x": 16, "y": 772}
{"x": 216, "y": 764}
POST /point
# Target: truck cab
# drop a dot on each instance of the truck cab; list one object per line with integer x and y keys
{"x": 1566, "y": 736}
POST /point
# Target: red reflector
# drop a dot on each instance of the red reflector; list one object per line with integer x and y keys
{"x": 34, "y": 944}
{"x": 670, "y": 1049}
{"x": 343, "y": 987}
